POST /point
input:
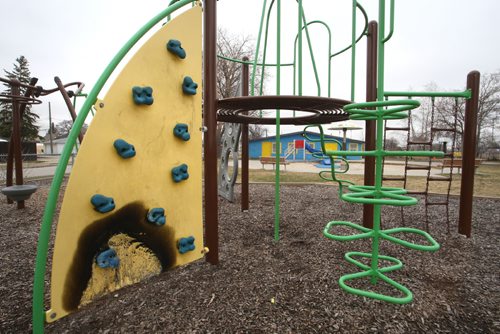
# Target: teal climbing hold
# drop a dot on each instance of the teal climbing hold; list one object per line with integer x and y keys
{"x": 185, "y": 245}
{"x": 175, "y": 47}
{"x": 142, "y": 95}
{"x": 189, "y": 86}
{"x": 180, "y": 173}
{"x": 108, "y": 259}
{"x": 157, "y": 216}
{"x": 181, "y": 131}
{"x": 102, "y": 203}
{"x": 124, "y": 149}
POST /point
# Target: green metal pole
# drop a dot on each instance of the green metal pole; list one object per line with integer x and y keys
{"x": 379, "y": 145}
{"x": 300, "y": 48}
{"x": 278, "y": 143}
{"x": 353, "y": 49}
{"x": 43, "y": 239}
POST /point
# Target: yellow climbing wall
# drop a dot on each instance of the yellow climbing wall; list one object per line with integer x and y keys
{"x": 136, "y": 184}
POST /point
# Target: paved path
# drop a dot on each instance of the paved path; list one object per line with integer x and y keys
{"x": 357, "y": 168}
{"x": 393, "y": 168}
{"x": 39, "y": 172}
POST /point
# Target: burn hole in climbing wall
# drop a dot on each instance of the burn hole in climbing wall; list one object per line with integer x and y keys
{"x": 121, "y": 249}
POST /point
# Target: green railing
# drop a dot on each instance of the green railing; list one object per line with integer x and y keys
{"x": 43, "y": 239}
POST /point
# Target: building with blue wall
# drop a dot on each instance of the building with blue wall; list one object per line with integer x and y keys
{"x": 294, "y": 148}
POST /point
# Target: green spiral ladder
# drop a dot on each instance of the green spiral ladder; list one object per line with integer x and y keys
{"x": 377, "y": 196}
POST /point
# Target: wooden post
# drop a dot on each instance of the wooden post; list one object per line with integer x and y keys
{"x": 244, "y": 142}
{"x": 16, "y": 137}
{"x": 469, "y": 155}
{"x": 210, "y": 137}
{"x": 370, "y": 127}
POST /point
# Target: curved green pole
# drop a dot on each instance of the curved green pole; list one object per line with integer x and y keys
{"x": 43, "y": 239}
{"x": 264, "y": 54}
{"x": 365, "y": 29}
{"x": 312, "y": 56}
{"x": 254, "y": 66}
{"x": 392, "y": 24}
{"x": 313, "y": 61}
{"x": 278, "y": 144}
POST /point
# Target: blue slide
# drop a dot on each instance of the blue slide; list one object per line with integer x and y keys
{"x": 310, "y": 149}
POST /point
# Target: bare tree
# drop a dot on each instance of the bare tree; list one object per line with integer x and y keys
{"x": 229, "y": 72}
{"x": 488, "y": 108}
{"x": 63, "y": 128}
{"x": 421, "y": 118}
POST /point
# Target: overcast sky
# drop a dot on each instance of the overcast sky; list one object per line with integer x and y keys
{"x": 434, "y": 41}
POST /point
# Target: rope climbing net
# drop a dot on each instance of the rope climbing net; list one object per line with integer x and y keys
{"x": 427, "y": 142}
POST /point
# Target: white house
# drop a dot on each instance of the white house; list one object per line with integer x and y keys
{"x": 57, "y": 146}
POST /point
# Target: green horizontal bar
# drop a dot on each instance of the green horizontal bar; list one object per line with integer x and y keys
{"x": 465, "y": 94}
{"x": 437, "y": 154}
{"x": 250, "y": 62}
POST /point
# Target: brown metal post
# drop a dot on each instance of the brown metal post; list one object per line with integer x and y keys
{"x": 67, "y": 100}
{"x": 370, "y": 132}
{"x": 210, "y": 119}
{"x": 244, "y": 142}
{"x": 16, "y": 137}
{"x": 469, "y": 155}
{"x": 10, "y": 154}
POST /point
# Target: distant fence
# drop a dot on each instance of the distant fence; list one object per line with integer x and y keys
{"x": 28, "y": 150}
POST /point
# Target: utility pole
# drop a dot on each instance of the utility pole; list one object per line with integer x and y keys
{"x": 50, "y": 131}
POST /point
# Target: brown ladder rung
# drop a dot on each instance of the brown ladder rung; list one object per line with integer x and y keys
{"x": 443, "y": 129}
{"x": 419, "y": 143}
{"x": 437, "y": 203}
{"x": 390, "y": 128}
{"x": 437, "y": 178}
{"x": 410, "y": 192}
{"x": 418, "y": 167}
{"x": 388, "y": 178}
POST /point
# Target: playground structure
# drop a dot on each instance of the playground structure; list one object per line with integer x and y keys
{"x": 31, "y": 93}
{"x": 115, "y": 206}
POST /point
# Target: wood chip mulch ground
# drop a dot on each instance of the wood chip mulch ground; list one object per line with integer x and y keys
{"x": 290, "y": 286}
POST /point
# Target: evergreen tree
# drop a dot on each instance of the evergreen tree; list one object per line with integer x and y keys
{"x": 29, "y": 129}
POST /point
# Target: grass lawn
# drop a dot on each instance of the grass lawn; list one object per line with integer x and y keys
{"x": 486, "y": 183}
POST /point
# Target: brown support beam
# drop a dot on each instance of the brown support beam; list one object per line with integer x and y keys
{"x": 16, "y": 137}
{"x": 469, "y": 155}
{"x": 10, "y": 154}
{"x": 210, "y": 121}
{"x": 244, "y": 142}
{"x": 67, "y": 100}
{"x": 370, "y": 126}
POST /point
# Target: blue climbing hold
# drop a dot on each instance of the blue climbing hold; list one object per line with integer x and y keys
{"x": 142, "y": 95}
{"x": 185, "y": 245}
{"x": 175, "y": 47}
{"x": 108, "y": 259}
{"x": 157, "y": 216}
{"x": 124, "y": 149}
{"x": 102, "y": 203}
{"x": 180, "y": 173}
{"x": 189, "y": 86}
{"x": 181, "y": 131}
